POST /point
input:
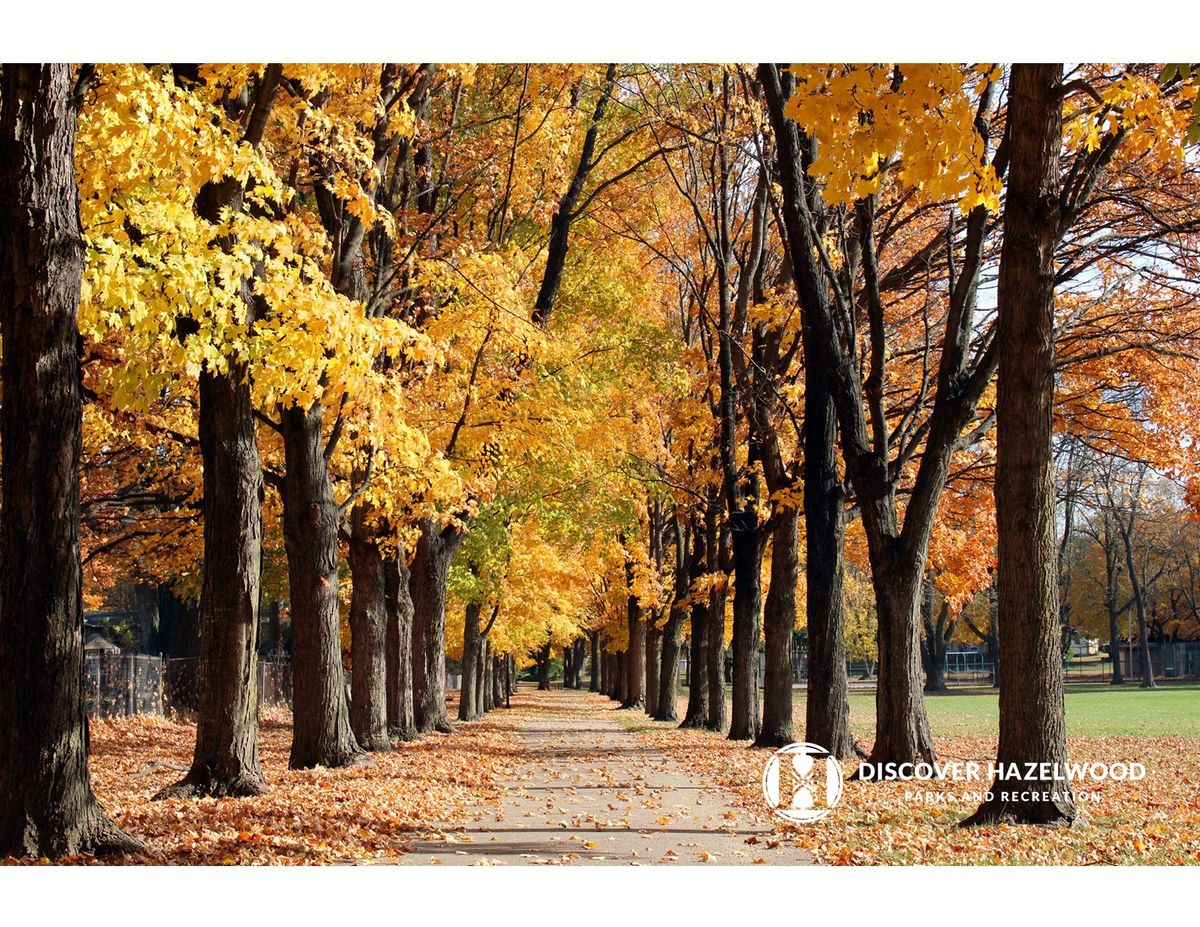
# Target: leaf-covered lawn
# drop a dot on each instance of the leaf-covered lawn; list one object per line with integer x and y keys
{"x": 365, "y": 813}
{"x": 1155, "y": 821}
{"x": 374, "y": 812}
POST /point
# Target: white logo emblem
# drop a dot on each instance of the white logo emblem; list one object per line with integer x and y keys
{"x": 802, "y": 783}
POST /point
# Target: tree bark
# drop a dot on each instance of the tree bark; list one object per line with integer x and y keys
{"x": 431, "y": 564}
{"x": 779, "y": 621}
{"x": 827, "y": 707}
{"x": 594, "y": 682}
{"x": 902, "y": 731}
{"x": 747, "y": 606}
{"x": 1032, "y": 725}
{"x": 697, "y": 712}
{"x": 668, "y": 674}
{"x": 145, "y": 608}
{"x": 321, "y": 734}
{"x": 653, "y": 662}
{"x": 485, "y": 675}
{"x": 467, "y": 695}
{"x": 47, "y": 807}
{"x": 580, "y": 646}
{"x": 401, "y": 725}
{"x": 368, "y": 637}
{"x": 498, "y": 664}
{"x": 936, "y": 640}
{"x": 697, "y": 706}
{"x": 273, "y": 647}
{"x": 1145, "y": 665}
{"x": 667, "y": 703}
{"x": 1110, "y": 604}
{"x": 634, "y": 695}
{"x": 718, "y": 594}
{"x": 225, "y": 761}
{"x": 543, "y": 666}
{"x": 622, "y": 677}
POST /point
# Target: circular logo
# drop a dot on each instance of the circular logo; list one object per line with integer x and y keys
{"x": 802, "y": 783}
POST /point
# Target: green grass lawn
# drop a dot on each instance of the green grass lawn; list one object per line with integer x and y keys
{"x": 1173, "y": 709}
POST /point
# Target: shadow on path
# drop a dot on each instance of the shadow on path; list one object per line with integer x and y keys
{"x": 590, "y": 792}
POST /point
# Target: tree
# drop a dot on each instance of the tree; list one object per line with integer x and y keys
{"x": 827, "y": 712}
{"x": 436, "y": 546}
{"x": 1032, "y": 722}
{"x": 399, "y": 659}
{"x": 669, "y": 673}
{"x": 226, "y": 756}
{"x": 635, "y": 653}
{"x": 877, "y": 442}
{"x": 938, "y": 631}
{"x": 47, "y": 807}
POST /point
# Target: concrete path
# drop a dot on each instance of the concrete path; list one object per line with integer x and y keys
{"x": 593, "y": 793}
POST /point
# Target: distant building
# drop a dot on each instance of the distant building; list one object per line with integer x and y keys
{"x": 95, "y": 642}
{"x": 1171, "y": 660}
{"x": 1084, "y": 646}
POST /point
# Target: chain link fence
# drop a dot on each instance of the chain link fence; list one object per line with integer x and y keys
{"x": 118, "y": 684}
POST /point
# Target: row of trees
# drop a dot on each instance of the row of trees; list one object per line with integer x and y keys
{"x": 846, "y": 274}
{"x": 574, "y": 355}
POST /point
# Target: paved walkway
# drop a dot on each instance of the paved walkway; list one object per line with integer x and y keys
{"x": 593, "y": 793}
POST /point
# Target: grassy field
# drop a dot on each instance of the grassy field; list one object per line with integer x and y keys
{"x": 1171, "y": 710}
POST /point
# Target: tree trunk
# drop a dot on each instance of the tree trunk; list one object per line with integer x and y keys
{"x": 668, "y": 674}
{"x": 1114, "y": 641}
{"x": 622, "y": 676}
{"x": 933, "y": 647}
{"x": 321, "y": 734}
{"x": 747, "y": 606}
{"x": 1032, "y": 725}
{"x": 431, "y": 564}
{"x": 1145, "y": 665}
{"x": 486, "y": 675}
{"x": 543, "y": 666}
{"x": 698, "y": 697}
{"x": 225, "y": 761}
{"x": 47, "y": 807}
{"x": 468, "y": 709}
{"x": 653, "y": 663}
{"x": 697, "y": 706}
{"x": 827, "y": 707}
{"x": 935, "y": 664}
{"x": 580, "y": 660}
{"x": 779, "y": 623}
{"x": 715, "y": 644}
{"x": 368, "y": 638}
{"x": 635, "y": 657}
{"x": 498, "y": 665}
{"x": 401, "y": 725}
{"x": 902, "y": 733}
{"x": 594, "y": 682}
